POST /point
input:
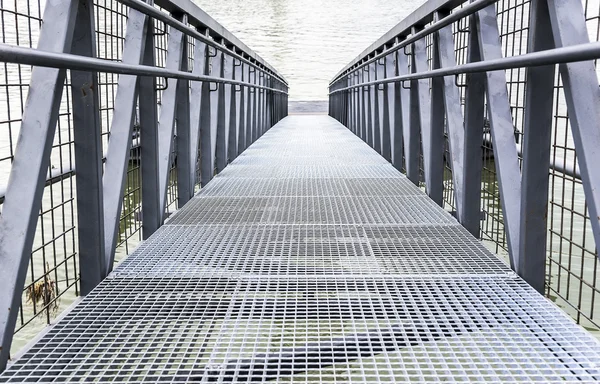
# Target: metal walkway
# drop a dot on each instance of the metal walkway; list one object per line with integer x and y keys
{"x": 310, "y": 258}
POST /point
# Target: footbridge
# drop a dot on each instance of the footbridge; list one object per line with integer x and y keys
{"x": 307, "y": 247}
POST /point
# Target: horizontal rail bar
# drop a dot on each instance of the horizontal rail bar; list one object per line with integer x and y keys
{"x": 574, "y": 53}
{"x": 167, "y": 19}
{"x": 451, "y": 18}
{"x": 30, "y": 56}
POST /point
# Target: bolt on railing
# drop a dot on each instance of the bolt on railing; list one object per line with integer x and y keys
{"x": 189, "y": 97}
{"x": 478, "y": 93}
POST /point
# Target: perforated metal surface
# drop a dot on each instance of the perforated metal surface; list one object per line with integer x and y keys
{"x": 325, "y": 273}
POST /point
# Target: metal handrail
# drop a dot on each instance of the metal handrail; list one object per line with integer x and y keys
{"x": 402, "y": 35}
{"x": 30, "y": 56}
{"x": 410, "y": 107}
{"x": 571, "y": 54}
{"x": 188, "y": 8}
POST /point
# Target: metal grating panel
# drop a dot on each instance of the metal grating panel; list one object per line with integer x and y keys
{"x": 326, "y": 330}
{"x": 312, "y": 210}
{"x": 312, "y": 273}
{"x": 239, "y": 187}
{"x": 298, "y": 250}
{"x": 311, "y": 171}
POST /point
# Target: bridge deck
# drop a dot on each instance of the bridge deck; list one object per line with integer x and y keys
{"x": 310, "y": 258}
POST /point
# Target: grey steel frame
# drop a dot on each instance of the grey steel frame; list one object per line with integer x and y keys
{"x": 193, "y": 114}
{"x": 423, "y": 104}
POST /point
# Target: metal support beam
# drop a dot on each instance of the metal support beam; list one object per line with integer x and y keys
{"x": 470, "y": 201}
{"x": 243, "y": 91}
{"x": 176, "y": 52}
{"x": 119, "y": 145}
{"x": 410, "y": 130}
{"x": 432, "y": 136}
{"x": 151, "y": 214}
{"x": 444, "y": 56}
{"x": 185, "y": 184}
{"x": 224, "y": 100}
{"x": 207, "y": 136}
{"x": 503, "y": 135}
{"x": 388, "y": 111}
{"x": 196, "y": 90}
{"x": 234, "y": 113}
{"x": 539, "y": 92}
{"x": 87, "y": 132}
{"x": 582, "y": 95}
{"x": 23, "y": 197}
{"x": 377, "y": 106}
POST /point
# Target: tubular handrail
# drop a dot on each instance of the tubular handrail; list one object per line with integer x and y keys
{"x": 399, "y": 40}
{"x": 571, "y": 54}
{"x": 30, "y": 56}
{"x": 190, "y": 9}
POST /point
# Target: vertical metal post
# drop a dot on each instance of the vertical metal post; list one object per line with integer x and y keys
{"x": 207, "y": 136}
{"x": 185, "y": 188}
{"x": 23, "y": 197}
{"x": 260, "y": 95}
{"x": 148, "y": 131}
{"x": 176, "y": 51}
{"x": 242, "y": 109}
{"x": 387, "y": 113}
{"x": 224, "y": 102}
{"x": 196, "y": 106}
{"x": 434, "y": 174}
{"x": 395, "y": 107}
{"x": 370, "y": 104}
{"x": 251, "y": 107}
{"x": 234, "y": 113}
{"x": 582, "y": 95}
{"x": 376, "y": 131}
{"x": 503, "y": 134}
{"x": 408, "y": 99}
{"x": 539, "y": 92}
{"x": 443, "y": 50}
{"x": 87, "y": 131}
{"x": 119, "y": 145}
{"x": 473, "y": 136}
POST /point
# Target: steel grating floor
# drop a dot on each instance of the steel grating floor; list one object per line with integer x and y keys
{"x": 309, "y": 259}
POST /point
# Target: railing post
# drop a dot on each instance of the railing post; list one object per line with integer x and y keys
{"x": 387, "y": 111}
{"x": 371, "y": 106}
{"x": 378, "y": 70}
{"x": 148, "y": 136}
{"x": 119, "y": 145}
{"x": 432, "y": 123}
{"x": 219, "y": 64}
{"x": 252, "y": 107}
{"x": 409, "y": 106}
{"x": 503, "y": 135}
{"x": 176, "y": 51}
{"x": 473, "y": 138}
{"x": 87, "y": 131}
{"x": 582, "y": 95}
{"x": 224, "y": 112}
{"x": 185, "y": 187}
{"x": 207, "y": 132}
{"x": 444, "y": 57}
{"x": 364, "y": 116}
{"x": 197, "y": 106}
{"x": 242, "y": 109}
{"x": 23, "y": 197}
{"x": 234, "y": 113}
{"x": 395, "y": 110}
